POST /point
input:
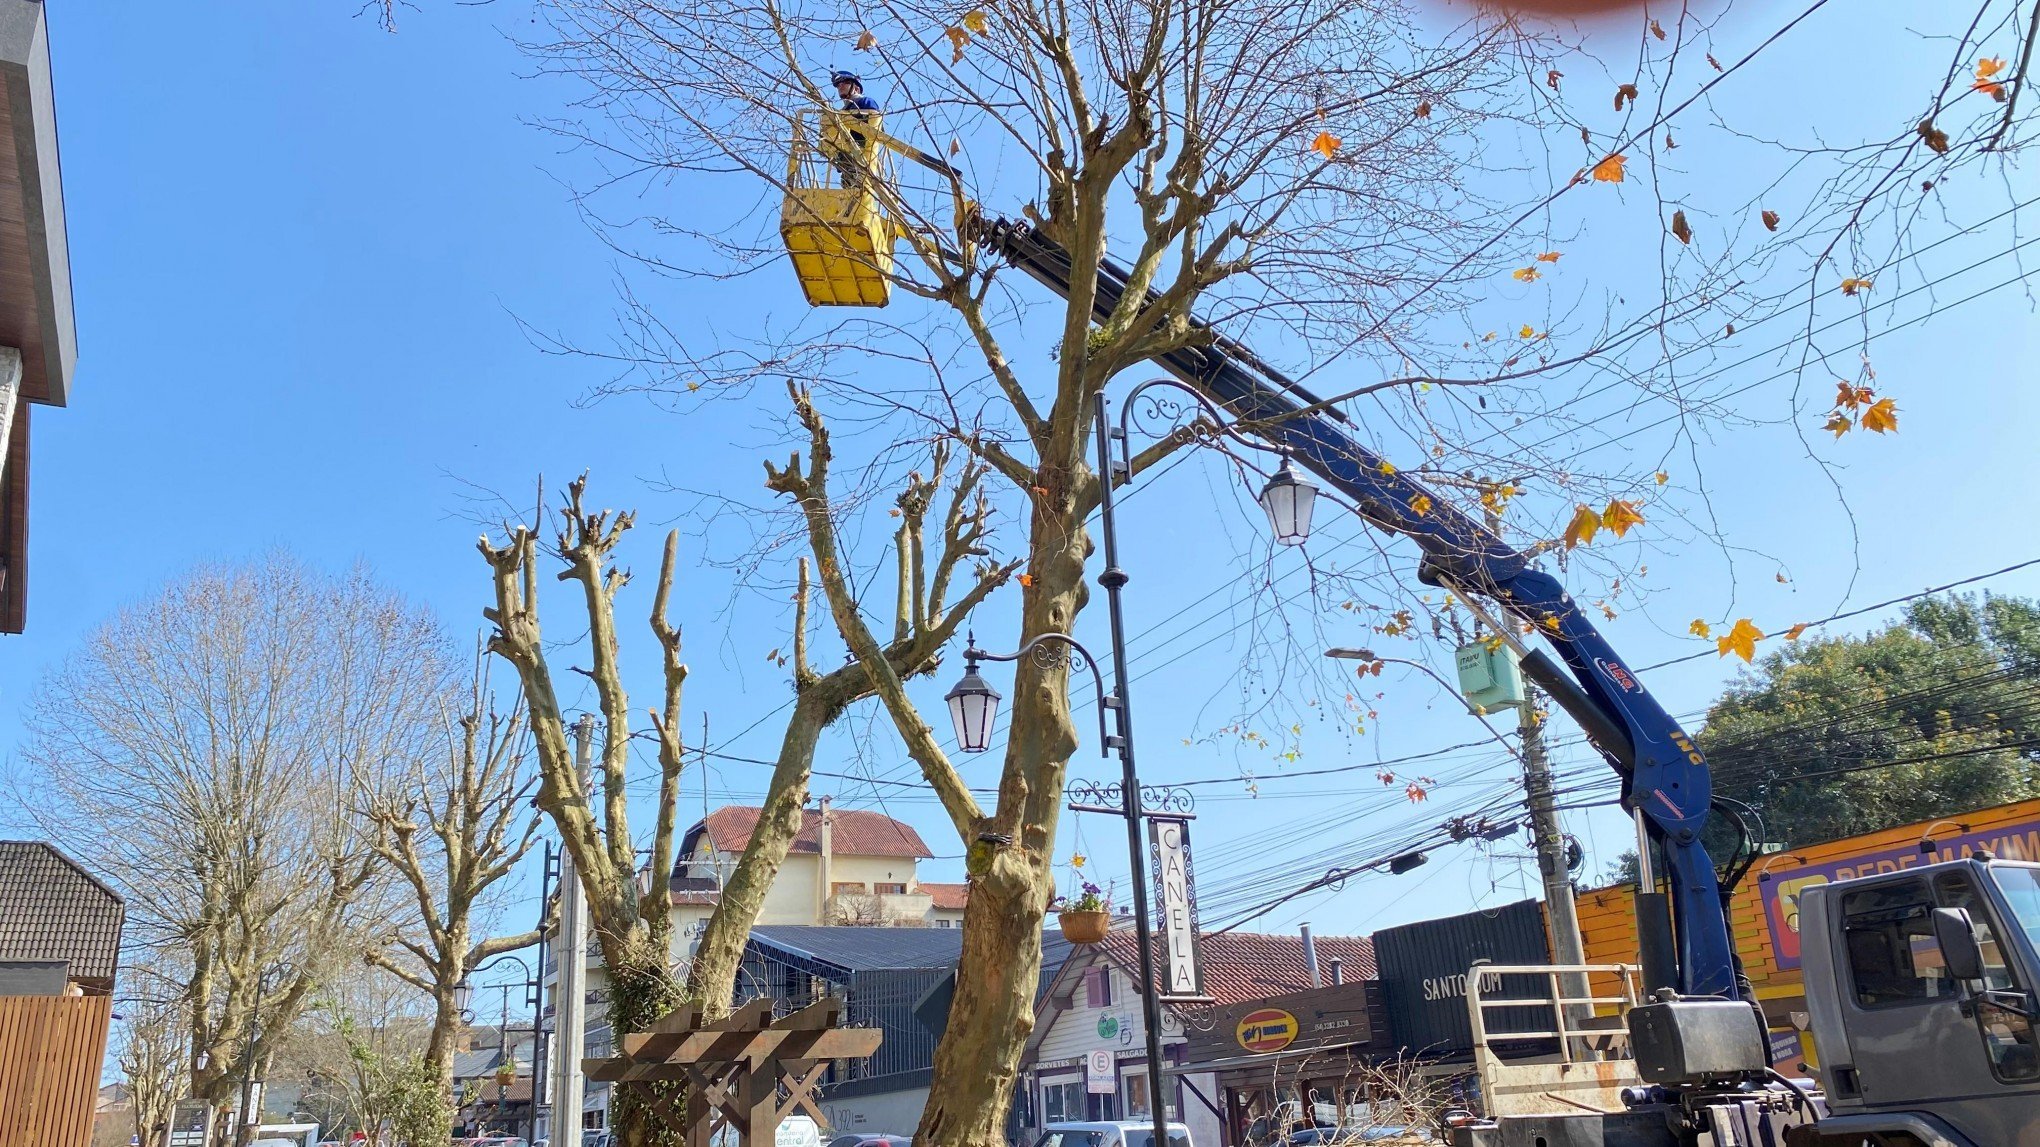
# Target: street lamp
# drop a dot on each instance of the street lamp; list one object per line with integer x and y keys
{"x": 973, "y": 708}
{"x": 463, "y": 1000}
{"x": 1289, "y": 497}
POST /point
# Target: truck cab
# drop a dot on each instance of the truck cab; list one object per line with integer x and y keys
{"x": 1921, "y": 985}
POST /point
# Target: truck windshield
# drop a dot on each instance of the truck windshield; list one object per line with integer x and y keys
{"x": 2021, "y": 887}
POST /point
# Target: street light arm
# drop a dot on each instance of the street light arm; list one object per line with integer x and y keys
{"x": 1217, "y": 420}
{"x": 972, "y": 653}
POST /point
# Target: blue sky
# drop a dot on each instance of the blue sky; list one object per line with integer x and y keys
{"x": 306, "y": 254}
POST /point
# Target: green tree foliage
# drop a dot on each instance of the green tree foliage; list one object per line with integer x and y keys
{"x": 1937, "y": 714}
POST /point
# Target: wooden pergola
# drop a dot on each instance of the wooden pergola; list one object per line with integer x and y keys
{"x": 747, "y": 1071}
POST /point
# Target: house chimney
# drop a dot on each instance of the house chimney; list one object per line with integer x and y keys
{"x": 1338, "y": 970}
{"x": 1317, "y": 979}
{"x": 826, "y": 841}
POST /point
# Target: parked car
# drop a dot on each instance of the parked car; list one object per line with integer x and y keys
{"x": 871, "y": 1139}
{"x": 1109, "y": 1133}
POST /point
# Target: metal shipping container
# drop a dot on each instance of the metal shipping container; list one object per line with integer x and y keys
{"x": 1423, "y": 976}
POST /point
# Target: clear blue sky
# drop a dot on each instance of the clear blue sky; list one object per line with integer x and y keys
{"x": 302, "y": 250}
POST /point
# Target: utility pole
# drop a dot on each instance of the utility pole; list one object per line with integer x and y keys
{"x": 570, "y": 964}
{"x": 1549, "y": 842}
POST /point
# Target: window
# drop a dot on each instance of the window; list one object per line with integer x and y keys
{"x": 1889, "y": 934}
{"x": 1062, "y": 1102}
{"x": 889, "y": 889}
{"x": 1953, "y": 890}
{"x": 2008, "y": 1036}
{"x": 1136, "y": 1090}
{"x": 1098, "y": 987}
{"x": 1071, "y": 1139}
{"x": 847, "y": 888}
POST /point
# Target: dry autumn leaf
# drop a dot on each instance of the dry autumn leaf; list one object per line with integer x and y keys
{"x": 1420, "y": 505}
{"x": 1528, "y": 332}
{"x": 1026, "y": 580}
{"x": 1620, "y": 516}
{"x": 1548, "y": 257}
{"x": 955, "y": 146}
{"x": 1700, "y": 628}
{"x": 957, "y": 39}
{"x": 1838, "y": 423}
{"x": 1609, "y": 170}
{"x": 866, "y": 40}
{"x": 1852, "y": 286}
{"x": 1326, "y": 144}
{"x": 1936, "y": 139}
{"x": 977, "y": 21}
{"x": 1386, "y": 467}
{"x": 1985, "y": 69}
{"x": 1657, "y": 29}
{"x": 1793, "y": 633}
{"x": 1552, "y": 77}
{"x": 1712, "y": 62}
{"x": 1681, "y": 228}
{"x": 1416, "y": 793}
{"x": 1882, "y": 417}
{"x": 1741, "y": 640}
{"x": 1623, "y": 94}
{"x": 1663, "y": 477}
{"x": 1424, "y": 110}
{"x": 1584, "y": 525}
{"x": 1524, "y": 274}
{"x": 1770, "y": 220}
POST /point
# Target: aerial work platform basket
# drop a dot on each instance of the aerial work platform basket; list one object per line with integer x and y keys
{"x": 838, "y": 232}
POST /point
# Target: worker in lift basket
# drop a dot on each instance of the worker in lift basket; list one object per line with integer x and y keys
{"x": 849, "y": 157}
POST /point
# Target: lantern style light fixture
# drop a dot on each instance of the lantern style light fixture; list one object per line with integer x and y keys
{"x": 464, "y": 997}
{"x": 973, "y": 707}
{"x": 1289, "y": 498}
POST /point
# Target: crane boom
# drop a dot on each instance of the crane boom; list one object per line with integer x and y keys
{"x": 1665, "y": 776}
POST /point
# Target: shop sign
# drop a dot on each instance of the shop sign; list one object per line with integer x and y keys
{"x": 1781, "y": 888}
{"x": 1176, "y": 893}
{"x": 1266, "y": 1029}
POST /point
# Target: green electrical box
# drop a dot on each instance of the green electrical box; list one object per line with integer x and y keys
{"x": 1489, "y": 677}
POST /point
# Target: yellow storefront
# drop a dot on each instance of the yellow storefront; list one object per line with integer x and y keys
{"x": 1763, "y": 916}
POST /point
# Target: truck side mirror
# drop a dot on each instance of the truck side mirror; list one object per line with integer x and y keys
{"x": 1957, "y": 938}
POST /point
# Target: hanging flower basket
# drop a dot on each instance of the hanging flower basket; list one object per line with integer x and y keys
{"x": 1085, "y": 927}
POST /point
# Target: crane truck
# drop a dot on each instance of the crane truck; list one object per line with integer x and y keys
{"x": 1921, "y": 985}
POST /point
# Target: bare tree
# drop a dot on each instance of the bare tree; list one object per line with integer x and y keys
{"x": 454, "y": 827}
{"x": 201, "y": 750}
{"x": 633, "y": 930}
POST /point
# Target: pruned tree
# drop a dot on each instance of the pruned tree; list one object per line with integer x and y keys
{"x": 1340, "y": 181}
{"x": 454, "y": 826}
{"x": 201, "y": 751}
{"x": 633, "y": 930}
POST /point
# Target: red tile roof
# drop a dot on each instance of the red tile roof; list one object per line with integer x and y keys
{"x": 854, "y": 832}
{"x": 947, "y": 896}
{"x": 1240, "y": 966}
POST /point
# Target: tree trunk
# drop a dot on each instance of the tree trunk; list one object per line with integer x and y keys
{"x": 439, "y": 1052}
{"x": 712, "y": 979}
{"x": 641, "y": 989}
{"x": 1011, "y": 884}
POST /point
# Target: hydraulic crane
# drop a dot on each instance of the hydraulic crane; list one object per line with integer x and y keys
{"x": 1665, "y": 778}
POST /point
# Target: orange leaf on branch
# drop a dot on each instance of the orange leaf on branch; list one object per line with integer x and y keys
{"x": 1548, "y": 257}
{"x": 1854, "y": 286}
{"x": 1770, "y": 220}
{"x": 1624, "y": 93}
{"x": 1680, "y": 228}
{"x": 1524, "y": 274}
{"x": 977, "y": 21}
{"x": 1584, "y": 525}
{"x": 1793, "y": 633}
{"x": 1700, "y": 628}
{"x": 1741, "y": 640}
{"x": 1882, "y": 417}
{"x": 1326, "y": 144}
{"x": 1609, "y": 170}
{"x": 866, "y": 40}
{"x": 1620, "y": 516}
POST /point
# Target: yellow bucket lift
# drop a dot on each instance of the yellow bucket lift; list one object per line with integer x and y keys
{"x": 836, "y": 229}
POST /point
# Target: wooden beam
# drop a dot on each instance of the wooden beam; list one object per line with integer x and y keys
{"x": 843, "y": 1043}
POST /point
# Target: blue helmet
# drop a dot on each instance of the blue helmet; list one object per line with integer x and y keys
{"x": 842, "y": 77}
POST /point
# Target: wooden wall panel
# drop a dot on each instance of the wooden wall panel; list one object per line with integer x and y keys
{"x": 50, "y": 1051}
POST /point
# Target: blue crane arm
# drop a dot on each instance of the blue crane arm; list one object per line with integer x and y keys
{"x": 1665, "y": 776}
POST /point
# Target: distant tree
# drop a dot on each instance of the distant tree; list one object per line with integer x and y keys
{"x": 154, "y": 1057}
{"x": 454, "y": 826}
{"x": 1934, "y": 715}
{"x": 201, "y": 750}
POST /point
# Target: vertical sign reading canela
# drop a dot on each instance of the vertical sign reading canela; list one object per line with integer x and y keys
{"x": 1178, "y": 900}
